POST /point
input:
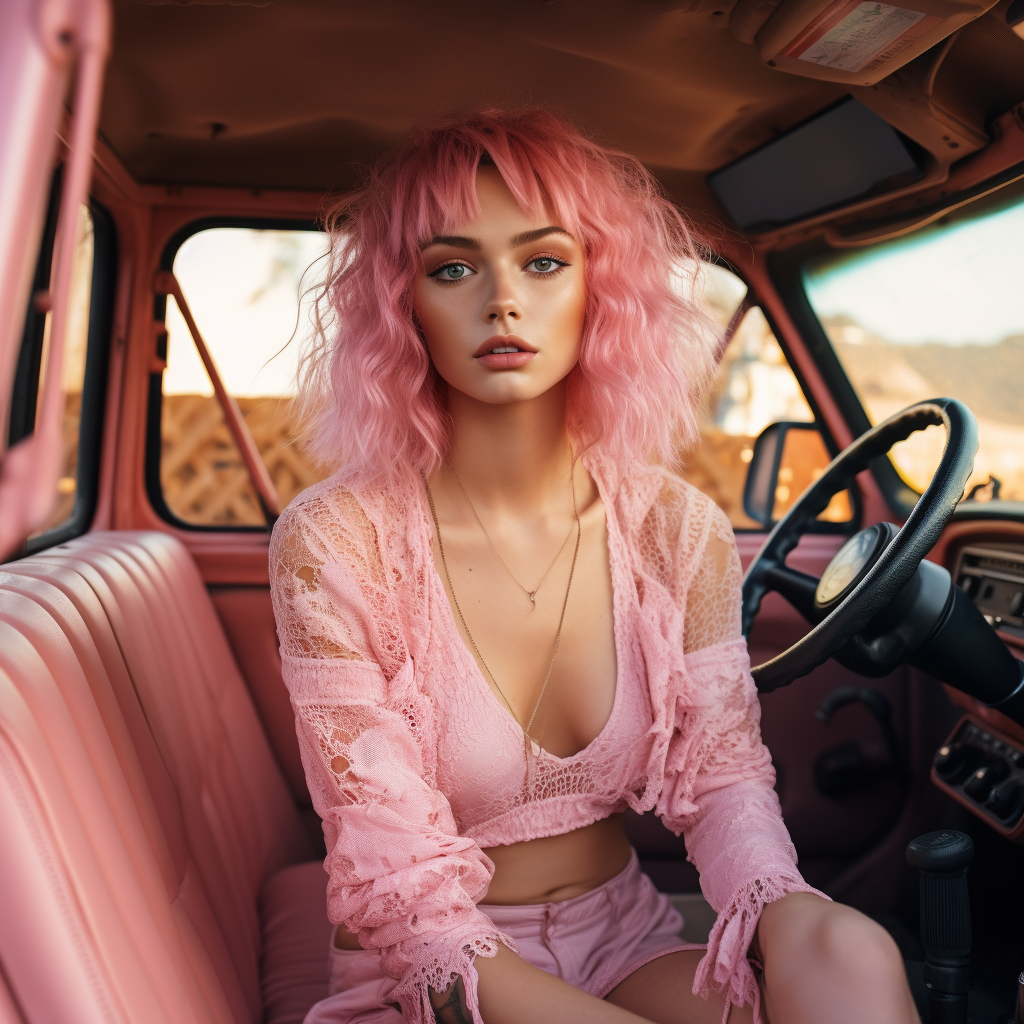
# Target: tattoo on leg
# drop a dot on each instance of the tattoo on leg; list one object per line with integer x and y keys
{"x": 453, "y": 1009}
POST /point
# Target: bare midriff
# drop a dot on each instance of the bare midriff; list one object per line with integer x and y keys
{"x": 548, "y": 870}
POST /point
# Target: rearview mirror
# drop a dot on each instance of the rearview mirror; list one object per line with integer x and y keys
{"x": 787, "y": 458}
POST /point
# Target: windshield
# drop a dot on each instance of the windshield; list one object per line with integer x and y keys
{"x": 937, "y": 313}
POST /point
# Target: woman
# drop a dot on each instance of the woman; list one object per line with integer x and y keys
{"x": 503, "y": 622}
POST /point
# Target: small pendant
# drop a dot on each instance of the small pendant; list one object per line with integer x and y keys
{"x": 533, "y": 599}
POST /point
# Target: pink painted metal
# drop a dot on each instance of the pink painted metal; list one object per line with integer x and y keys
{"x": 32, "y": 81}
{"x": 165, "y": 283}
{"x": 9, "y": 1012}
{"x": 37, "y": 43}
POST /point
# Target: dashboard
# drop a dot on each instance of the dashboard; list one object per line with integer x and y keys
{"x": 981, "y": 764}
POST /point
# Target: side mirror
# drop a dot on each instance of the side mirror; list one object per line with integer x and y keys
{"x": 787, "y": 458}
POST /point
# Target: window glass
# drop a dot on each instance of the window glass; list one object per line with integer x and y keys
{"x": 754, "y": 386}
{"x": 937, "y": 313}
{"x": 73, "y": 369}
{"x": 243, "y": 286}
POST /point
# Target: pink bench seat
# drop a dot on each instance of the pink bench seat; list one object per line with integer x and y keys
{"x": 153, "y": 864}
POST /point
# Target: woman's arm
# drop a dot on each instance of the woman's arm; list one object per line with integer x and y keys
{"x": 719, "y": 780}
{"x": 399, "y": 874}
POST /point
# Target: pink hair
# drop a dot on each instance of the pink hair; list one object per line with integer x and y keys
{"x": 372, "y": 404}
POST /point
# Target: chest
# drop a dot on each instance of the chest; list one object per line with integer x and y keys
{"x": 564, "y": 696}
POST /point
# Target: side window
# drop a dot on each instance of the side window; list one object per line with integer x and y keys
{"x": 83, "y": 369}
{"x": 754, "y": 387}
{"x": 241, "y": 285}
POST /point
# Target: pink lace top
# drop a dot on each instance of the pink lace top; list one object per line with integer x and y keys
{"x": 415, "y": 767}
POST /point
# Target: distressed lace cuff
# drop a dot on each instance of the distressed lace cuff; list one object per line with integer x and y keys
{"x": 725, "y": 966}
{"x": 441, "y": 962}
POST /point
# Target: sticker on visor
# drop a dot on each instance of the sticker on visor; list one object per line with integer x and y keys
{"x": 852, "y": 36}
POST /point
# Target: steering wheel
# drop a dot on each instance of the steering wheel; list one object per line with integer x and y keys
{"x": 875, "y": 564}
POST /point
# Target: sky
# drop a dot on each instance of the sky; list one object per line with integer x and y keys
{"x": 957, "y": 285}
{"x": 242, "y": 286}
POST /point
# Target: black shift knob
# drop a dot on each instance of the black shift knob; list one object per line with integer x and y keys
{"x": 941, "y": 851}
{"x": 942, "y": 859}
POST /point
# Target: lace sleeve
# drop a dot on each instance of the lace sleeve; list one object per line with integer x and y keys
{"x": 719, "y": 780}
{"x": 400, "y": 876}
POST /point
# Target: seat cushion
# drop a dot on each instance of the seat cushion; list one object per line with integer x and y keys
{"x": 296, "y": 941}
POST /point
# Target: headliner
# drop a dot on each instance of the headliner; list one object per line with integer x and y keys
{"x": 298, "y": 94}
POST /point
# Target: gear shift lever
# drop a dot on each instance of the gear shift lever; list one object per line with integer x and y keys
{"x": 942, "y": 859}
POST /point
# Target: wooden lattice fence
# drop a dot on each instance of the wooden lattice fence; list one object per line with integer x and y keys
{"x": 205, "y": 482}
{"x": 203, "y": 477}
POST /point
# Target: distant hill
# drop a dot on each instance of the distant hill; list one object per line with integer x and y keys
{"x": 987, "y": 378}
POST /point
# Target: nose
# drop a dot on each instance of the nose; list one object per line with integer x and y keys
{"x": 502, "y": 303}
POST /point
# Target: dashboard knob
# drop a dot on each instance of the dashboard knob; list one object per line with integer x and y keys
{"x": 980, "y": 784}
{"x": 1007, "y": 800}
{"x": 954, "y": 762}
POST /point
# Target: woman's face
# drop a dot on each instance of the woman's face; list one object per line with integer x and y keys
{"x": 501, "y": 299}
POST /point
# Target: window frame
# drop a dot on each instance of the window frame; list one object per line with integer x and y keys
{"x": 753, "y": 299}
{"x": 97, "y": 360}
{"x": 154, "y": 409}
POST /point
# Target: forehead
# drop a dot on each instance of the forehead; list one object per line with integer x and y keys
{"x": 499, "y": 212}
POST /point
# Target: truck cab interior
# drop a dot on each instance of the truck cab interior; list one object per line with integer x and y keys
{"x": 855, "y": 172}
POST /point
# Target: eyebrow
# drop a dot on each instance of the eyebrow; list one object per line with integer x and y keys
{"x": 537, "y": 234}
{"x": 456, "y": 241}
{"x": 463, "y": 242}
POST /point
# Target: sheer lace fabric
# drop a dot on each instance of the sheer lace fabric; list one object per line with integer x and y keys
{"x": 415, "y": 768}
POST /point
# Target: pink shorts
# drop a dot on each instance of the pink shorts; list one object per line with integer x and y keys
{"x": 593, "y": 941}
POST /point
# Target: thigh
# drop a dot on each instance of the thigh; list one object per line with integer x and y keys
{"x": 662, "y": 992}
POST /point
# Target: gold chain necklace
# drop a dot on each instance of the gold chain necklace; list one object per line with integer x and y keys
{"x": 472, "y": 642}
{"x": 531, "y": 594}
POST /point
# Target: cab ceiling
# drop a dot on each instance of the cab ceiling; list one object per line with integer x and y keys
{"x": 302, "y": 93}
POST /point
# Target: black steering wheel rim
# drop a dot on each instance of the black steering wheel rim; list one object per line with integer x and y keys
{"x": 897, "y": 563}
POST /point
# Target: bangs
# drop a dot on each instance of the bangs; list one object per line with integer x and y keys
{"x": 436, "y": 183}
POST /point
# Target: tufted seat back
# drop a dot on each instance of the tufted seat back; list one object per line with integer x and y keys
{"x": 142, "y": 813}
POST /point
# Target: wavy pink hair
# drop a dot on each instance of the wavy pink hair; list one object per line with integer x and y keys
{"x": 373, "y": 406}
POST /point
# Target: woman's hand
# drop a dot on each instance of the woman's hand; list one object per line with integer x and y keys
{"x": 827, "y": 961}
{"x": 450, "y": 1005}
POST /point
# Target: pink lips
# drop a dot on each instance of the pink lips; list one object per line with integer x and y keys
{"x": 504, "y": 360}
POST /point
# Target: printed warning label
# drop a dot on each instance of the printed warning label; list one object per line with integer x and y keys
{"x": 852, "y": 36}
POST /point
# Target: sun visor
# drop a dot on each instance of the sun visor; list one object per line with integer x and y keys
{"x": 846, "y": 40}
{"x": 841, "y": 155}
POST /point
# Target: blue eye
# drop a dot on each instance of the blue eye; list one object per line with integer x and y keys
{"x": 451, "y": 272}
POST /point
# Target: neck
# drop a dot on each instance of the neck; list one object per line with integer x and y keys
{"x": 512, "y": 457}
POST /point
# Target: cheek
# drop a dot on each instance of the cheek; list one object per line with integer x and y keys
{"x": 430, "y": 314}
{"x": 570, "y": 314}
{"x": 439, "y": 327}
